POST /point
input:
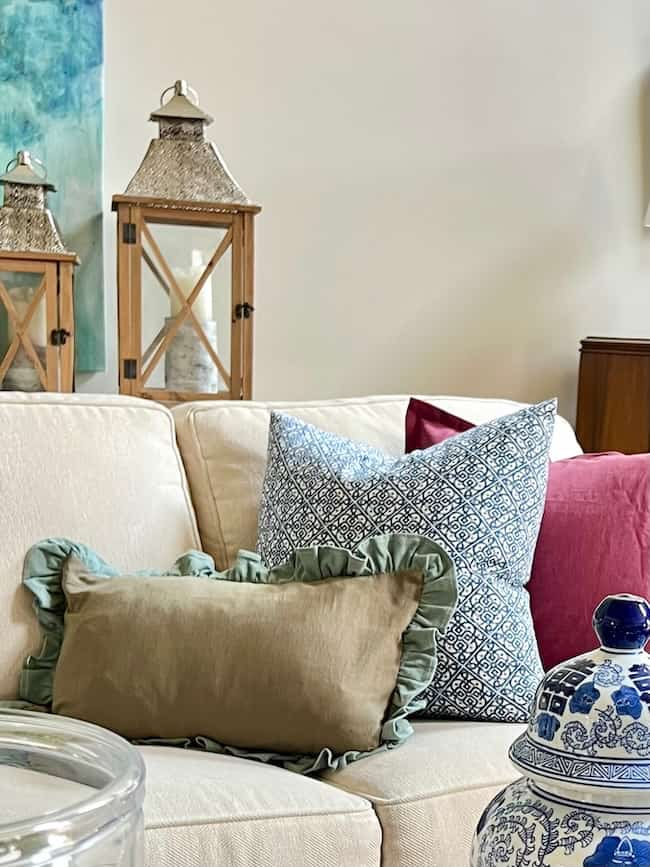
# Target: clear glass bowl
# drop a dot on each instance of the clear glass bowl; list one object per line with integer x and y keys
{"x": 70, "y": 794}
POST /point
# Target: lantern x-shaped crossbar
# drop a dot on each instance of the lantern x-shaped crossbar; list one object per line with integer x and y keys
{"x": 21, "y": 334}
{"x": 139, "y": 253}
{"x": 164, "y": 274}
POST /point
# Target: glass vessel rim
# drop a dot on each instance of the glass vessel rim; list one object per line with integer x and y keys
{"x": 108, "y": 804}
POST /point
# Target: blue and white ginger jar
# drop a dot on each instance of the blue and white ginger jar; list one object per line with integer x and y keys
{"x": 585, "y": 797}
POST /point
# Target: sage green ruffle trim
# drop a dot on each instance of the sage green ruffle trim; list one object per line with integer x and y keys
{"x": 42, "y": 573}
{"x": 381, "y": 554}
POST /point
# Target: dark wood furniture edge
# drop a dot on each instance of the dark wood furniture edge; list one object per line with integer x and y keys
{"x": 616, "y": 345}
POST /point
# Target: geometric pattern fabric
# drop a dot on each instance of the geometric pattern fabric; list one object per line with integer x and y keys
{"x": 480, "y": 495}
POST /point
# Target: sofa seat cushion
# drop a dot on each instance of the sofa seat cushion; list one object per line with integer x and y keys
{"x": 204, "y": 810}
{"x": 224, "y": 447}
{"x": 430, "y": 793}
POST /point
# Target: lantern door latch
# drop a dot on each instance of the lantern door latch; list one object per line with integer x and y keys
{"x": 128, "y": 233}
{"x": 59, "y": 336}
{"x": 130, "y": 368}
{"x": 243, "y": 311}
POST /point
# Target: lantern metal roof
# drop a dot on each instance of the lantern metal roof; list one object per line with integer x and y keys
{"x": 21, "y": 170}
{"x": 26, "y": 223}
{"x": 180, "y": 106}
{"x": 180, "y": 165}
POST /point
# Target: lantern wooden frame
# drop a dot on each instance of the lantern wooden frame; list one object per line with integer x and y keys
{"x": 137, "y": 364}
{"x": 56, "y": 289}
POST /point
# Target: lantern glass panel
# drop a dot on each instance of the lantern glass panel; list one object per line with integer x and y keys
{"x": 23, "y": 361}
{"x": 181, "y": 352}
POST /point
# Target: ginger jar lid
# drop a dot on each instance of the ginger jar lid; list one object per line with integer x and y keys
{"x": 589, "y": 726}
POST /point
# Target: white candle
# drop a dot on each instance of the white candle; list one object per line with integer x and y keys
{"x": 187, "y": 278}
{"x": 37, "y": 329}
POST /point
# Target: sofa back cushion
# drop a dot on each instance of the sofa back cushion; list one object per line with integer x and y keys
{"x": 224, "y": 446}
{"x": 101, "y": 470}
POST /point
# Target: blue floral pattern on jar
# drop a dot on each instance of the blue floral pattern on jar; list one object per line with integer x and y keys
{"x": 546, "y": 725}
{"x": 584, "y": 698}
{"x": 520, "y": 828}
{"x": 609, "y": 673}
{"x": 585, "y": 801}
{"x": 607, "y": 731}
{"x": 617, "y": 851}
{"x": 627, "y": 701}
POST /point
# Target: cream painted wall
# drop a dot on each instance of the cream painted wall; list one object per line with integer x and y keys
{"x": 453, "y": 192}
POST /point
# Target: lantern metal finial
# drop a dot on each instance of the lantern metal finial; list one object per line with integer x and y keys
{"x": 180, "y": 107}
{"x": 22, "y": 170}
{"x": 26, "y": 223}
{"x": 180, "y": 165}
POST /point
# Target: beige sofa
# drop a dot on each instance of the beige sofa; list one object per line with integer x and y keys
{"x": 107, "y": 471}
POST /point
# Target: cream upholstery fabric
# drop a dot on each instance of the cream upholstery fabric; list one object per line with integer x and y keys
{"x": 224, "y": 449}
{"x": 204, "y": 810}
{"x": 27, "y": 794}
{"x": 100, "y": 470}
{"x": 429, "y": 793}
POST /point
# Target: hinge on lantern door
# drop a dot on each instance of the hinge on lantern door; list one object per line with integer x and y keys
{"x": 130, "y": 368}
{"x": 128, "y": 233}
{"x": 59, "y": 336}
{"x": 243, "y": 311}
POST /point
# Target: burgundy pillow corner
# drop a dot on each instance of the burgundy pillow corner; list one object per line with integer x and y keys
{"x": 594, "y": 539}
{"x": 427, "y": 425}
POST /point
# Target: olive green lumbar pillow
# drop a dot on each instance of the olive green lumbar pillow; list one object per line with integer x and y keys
{"x": 310, "y": 665}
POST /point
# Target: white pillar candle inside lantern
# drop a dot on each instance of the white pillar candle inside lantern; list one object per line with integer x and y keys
{"x": 37, "y": 328}
{"x": 187, "y": 278}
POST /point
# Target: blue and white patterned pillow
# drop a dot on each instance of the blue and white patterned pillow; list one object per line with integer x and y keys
{"x": 480, "y": 495}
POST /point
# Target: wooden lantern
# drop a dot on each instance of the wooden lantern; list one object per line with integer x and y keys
{"x": 36, "y": 274}
{"x": 183, "y": 225}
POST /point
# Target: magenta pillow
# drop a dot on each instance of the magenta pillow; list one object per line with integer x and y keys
{"x": 594, "y": 539}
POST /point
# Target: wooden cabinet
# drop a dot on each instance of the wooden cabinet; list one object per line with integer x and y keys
{"x": 614, "y": 395}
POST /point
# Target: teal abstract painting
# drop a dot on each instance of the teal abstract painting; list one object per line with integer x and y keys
{"x": 51, "y": 103}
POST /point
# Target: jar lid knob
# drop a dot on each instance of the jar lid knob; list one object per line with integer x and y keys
{"x": 622, "y": 622}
